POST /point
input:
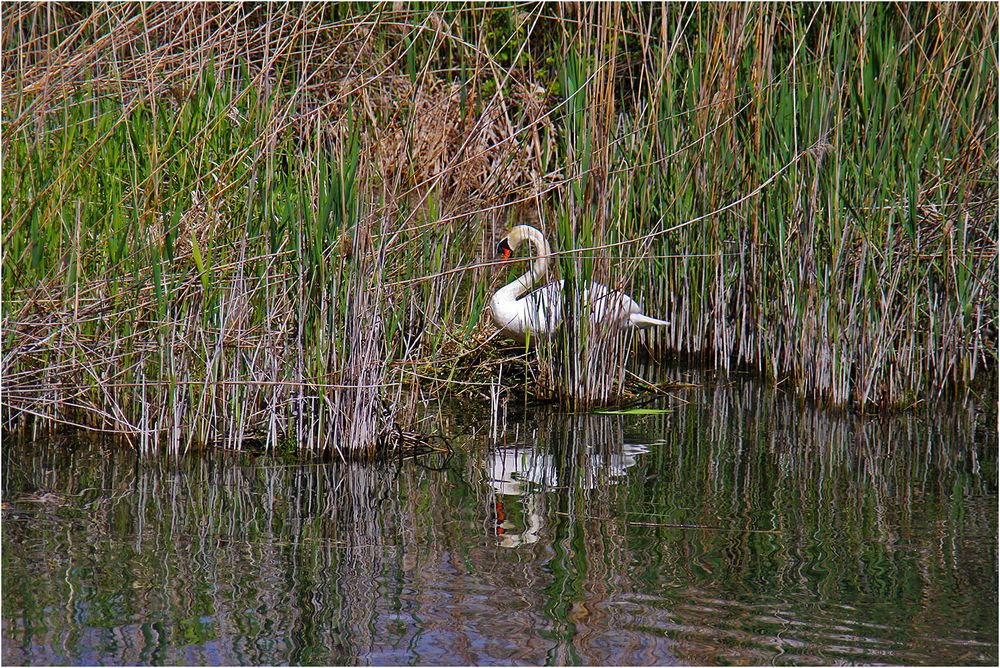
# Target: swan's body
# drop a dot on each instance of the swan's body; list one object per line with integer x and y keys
{"x": 538, "y": 315}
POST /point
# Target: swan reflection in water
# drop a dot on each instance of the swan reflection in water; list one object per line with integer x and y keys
{"x": 581, "y": 452}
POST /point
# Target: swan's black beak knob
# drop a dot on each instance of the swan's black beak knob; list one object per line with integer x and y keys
{"x": 503, "y": 248}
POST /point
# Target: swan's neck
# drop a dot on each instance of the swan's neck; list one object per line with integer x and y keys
{"x": 520, "y": 286}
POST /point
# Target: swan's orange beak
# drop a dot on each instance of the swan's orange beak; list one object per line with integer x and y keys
{"x": 503, "y": 248}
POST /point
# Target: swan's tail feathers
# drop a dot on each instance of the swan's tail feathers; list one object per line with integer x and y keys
{"x": 644, "y": 321}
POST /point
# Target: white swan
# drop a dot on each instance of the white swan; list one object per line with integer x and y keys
{"x": 539, "y": 314}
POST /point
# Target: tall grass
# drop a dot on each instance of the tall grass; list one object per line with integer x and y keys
{"x": 224, "y": 223}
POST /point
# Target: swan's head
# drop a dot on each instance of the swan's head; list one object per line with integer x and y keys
{"x": 516, "y": 237}
{"x": 503, "y": 249}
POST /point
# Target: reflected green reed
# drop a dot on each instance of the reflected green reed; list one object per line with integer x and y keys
{"x": 741, "y": 527}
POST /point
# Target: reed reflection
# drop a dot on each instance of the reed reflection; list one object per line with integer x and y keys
{"x": 742, "y": 527}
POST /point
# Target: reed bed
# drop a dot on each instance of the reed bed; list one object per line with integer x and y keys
{"x": 226, "y": 223}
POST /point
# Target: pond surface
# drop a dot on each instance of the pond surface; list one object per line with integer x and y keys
{"x": 741, "y": 527}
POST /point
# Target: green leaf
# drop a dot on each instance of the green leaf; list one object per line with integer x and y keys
{"x": 199, "y": 262}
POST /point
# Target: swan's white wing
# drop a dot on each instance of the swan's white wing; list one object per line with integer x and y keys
{"x": 537, "y": 314}
{"x": 611, "y": 307}
{"x": 607, "y": 306}
{"x": 543, "y": 309}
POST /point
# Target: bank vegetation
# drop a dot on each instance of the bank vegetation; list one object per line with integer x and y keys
{"x": 275, "y": 223}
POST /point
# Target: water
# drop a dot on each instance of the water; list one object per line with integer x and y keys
{"x": 741, "y": 527}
